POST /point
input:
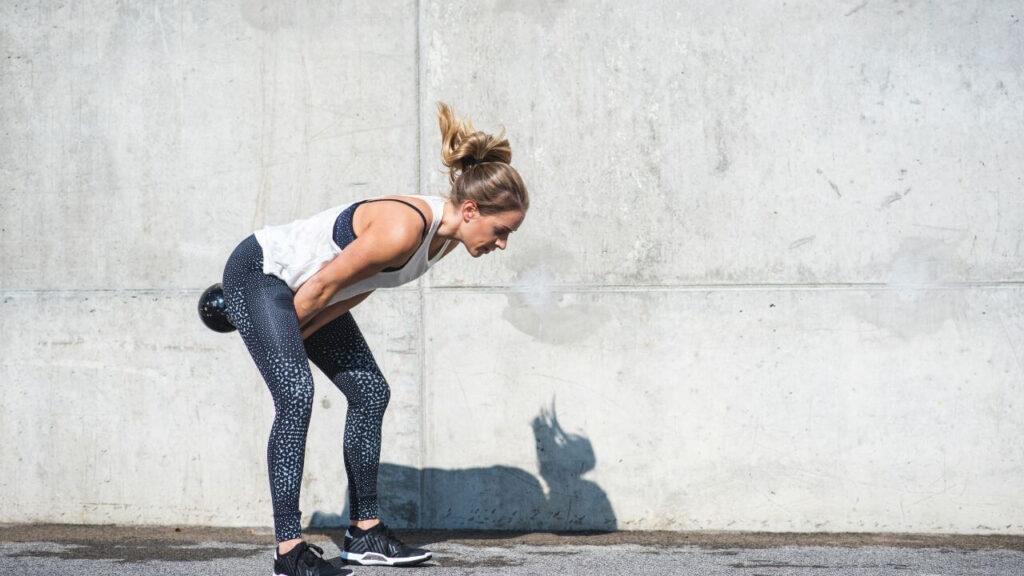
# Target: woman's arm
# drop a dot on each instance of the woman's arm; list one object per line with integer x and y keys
{"x": 330, "y": 313}
{"x": 374, "y": 250}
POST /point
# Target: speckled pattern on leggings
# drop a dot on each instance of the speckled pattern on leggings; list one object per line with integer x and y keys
{"x": 341, "y": 352}
{"x": 261, "y": 306}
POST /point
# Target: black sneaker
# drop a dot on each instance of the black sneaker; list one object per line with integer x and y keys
{"x": 303, "y": 561}
{"x": 378, "y": 546}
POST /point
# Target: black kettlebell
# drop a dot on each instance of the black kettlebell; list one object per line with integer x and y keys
{"x": 213, "y": 309}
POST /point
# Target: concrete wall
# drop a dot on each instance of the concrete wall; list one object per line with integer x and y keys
{"x": 771, "y": 279}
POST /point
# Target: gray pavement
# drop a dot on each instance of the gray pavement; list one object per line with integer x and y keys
{"x": 106, "y": 550}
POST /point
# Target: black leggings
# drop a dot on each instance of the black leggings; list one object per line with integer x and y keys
{"x": 261, "y": 307}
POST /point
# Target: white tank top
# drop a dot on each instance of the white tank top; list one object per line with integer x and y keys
{"x": 294, "y": 252}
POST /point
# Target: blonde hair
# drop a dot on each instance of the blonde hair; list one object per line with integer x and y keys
{"x": 478, "y": 166}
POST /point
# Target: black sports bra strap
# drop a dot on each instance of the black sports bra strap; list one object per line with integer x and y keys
{"x": 425, "y": 225}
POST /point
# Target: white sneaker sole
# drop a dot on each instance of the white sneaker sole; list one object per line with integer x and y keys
{"x": 374, "y": 559}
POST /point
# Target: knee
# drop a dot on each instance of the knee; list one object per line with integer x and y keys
{"x": 377, "y": 394}
{"x": 367, "y": 392}
{"x": 296, "y": 396}
{"x": 385, "y": 393}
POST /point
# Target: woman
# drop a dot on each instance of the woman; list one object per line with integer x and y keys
{"x": 290, "y": 290}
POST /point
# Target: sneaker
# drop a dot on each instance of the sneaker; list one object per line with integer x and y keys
{"x": 378, "y": 546}
{"x": 303, "y": 561}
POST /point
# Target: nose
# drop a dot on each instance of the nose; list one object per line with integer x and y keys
{"x": 501, "y": 244}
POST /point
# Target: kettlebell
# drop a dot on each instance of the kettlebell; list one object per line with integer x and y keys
{"x": 213, "y": 310}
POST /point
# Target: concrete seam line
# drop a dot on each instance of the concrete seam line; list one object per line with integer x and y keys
{"x": 422, "y": 293}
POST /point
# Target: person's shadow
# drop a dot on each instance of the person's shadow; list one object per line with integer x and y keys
{"x": 500, "y": 498}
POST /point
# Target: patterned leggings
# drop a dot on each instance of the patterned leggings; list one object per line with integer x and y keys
{"x": 261, "y": 307}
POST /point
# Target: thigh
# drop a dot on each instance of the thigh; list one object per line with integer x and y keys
{"x": 262, "y": 307}
{"x": 338, "y": 348}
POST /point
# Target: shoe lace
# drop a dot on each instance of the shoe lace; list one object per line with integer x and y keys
{"x": 311, "y": 554}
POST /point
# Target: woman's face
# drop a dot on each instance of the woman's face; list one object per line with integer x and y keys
{"x": 483, "y": 234}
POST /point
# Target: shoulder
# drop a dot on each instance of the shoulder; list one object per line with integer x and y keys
{"x": 392, "y": 222}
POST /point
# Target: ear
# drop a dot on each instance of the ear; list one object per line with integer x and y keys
{"x": 470, "y": 210}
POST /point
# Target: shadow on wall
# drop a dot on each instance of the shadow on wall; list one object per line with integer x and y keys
{"x": 497, "y": 497}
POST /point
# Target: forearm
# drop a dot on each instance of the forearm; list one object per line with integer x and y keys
{"x": 330, "y": 313}
{"x": 310, "y": 299}
{"x": 322, "y": 319}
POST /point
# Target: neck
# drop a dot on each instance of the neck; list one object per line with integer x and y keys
{"x": 449, "y": 226}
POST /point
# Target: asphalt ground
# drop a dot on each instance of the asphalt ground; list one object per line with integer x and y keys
{"x": 51, "y": 549}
